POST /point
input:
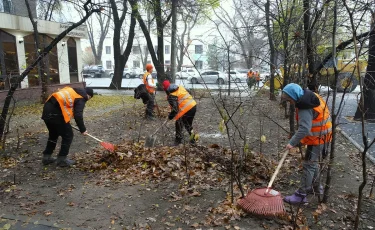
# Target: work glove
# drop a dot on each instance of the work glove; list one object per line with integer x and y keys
{"x": 170, "y": 117}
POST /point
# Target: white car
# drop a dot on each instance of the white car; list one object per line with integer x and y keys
{"x": 184, "y": 74}
{"x": 129, "y": 73}
{"x": 236, "y": 76}
{"x": 209, "y": 76}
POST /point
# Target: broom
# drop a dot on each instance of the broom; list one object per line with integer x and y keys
{"x": 265, "y": 201}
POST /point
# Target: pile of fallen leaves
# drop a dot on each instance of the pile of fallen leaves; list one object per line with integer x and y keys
{"x": 199, "y": 165}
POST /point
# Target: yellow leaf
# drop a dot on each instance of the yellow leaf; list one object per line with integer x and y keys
{"x": 6, "y": 227}
{"x": 263, "y": 139}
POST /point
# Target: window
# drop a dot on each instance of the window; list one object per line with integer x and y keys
{"x": 108, "y": 64}
{"x": 136, "y": 64}
{"x": 51, "y": 62}
{"x": 6, "y": 6}
{"x": 136, "y": 50}
{"x": 167, "y": 49}
{"x": 72, "y": 57}
{"x": 107, "y": 50}
{"x": 8, "y": 59}
{"x": 198, "y": 49}
{"x": 199, "y": 64}
{"x": 167, "y": 62}
{"x": 191, "y": 71}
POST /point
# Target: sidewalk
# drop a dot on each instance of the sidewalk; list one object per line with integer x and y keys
{"x": 351, "y": 129}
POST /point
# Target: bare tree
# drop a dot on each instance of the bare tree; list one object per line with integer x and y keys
{"x": 158, "y": 57}
{"x": 121, "y": 57}
{"x": 97, "y": 37}
{"x": 242, "y": 24}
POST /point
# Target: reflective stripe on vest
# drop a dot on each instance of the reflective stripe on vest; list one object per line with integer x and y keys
{"x": 321, "y": 129}
{"x": 66, "y": 97}
{"x": 149, "y": 88}
{"x": 185, "y": 101}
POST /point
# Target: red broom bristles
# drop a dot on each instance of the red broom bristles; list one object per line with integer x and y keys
{"x": 259, "y": 202}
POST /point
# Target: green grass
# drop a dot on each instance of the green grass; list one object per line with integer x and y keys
{"x": 98, "y": 101}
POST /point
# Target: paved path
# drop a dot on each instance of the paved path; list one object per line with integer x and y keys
{"x": 353, "y": 129}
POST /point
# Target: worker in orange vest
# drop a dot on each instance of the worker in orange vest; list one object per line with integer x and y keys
{"x": 183, "y": 109}
{"x": 58, "y": 110}
{"x": 315, "y": 131}
{"x": 151, "y": 88}
{"x": 257, "y": 78}
{"x": 250, "y": 78}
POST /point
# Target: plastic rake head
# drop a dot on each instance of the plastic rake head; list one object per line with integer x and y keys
{"x": 263, "y": 204}
{"x": 108, "y": 146}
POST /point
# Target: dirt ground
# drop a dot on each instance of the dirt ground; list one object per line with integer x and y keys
{"x": 186, "y": 187}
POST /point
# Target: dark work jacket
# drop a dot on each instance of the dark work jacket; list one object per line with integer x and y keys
{"x": 141, "y": 93}
{"x": 173, "y": 100}
{"x": 52, "y": 111}
{"x": 308, "y": 100}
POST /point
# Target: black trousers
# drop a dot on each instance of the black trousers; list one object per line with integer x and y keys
{"x": 150, "y": 105}
{"x": 187, "y": 121}
{"x": 55, "y": 130}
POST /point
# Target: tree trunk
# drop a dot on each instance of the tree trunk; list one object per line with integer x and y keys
{"x": 38, "y": 47}
{"x": 42, "y": 54}
{"x": 157, "y": 60}
{"x": 272, "y": 52}
{"x": 160, "y": 37}
{"x": 173, "y": 41}
{"x": 121, "y": 58}
{"x": 369, "y": 84}
{"x": 312, "y": 82}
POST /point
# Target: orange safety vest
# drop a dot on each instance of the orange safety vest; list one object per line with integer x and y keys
{"x": 66, "y": 97}
{"x": 185, "y": 101}
{"x": 149, "y": 88}
{"x": 257, "y": 76}
{"x": 250, "y": 74}
{"x": 321, "y": 130}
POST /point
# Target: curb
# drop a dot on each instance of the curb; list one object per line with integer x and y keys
{"x": 358, "y": 146}
{"x": 31, "y": 223}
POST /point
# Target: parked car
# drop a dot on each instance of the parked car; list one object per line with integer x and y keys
{"x": 236, "y": 76}
{"x": 127, "y": 73}
{"x": 137, "y": 72}
{"x": 93, "y": 71}
{"x": 209, "y": 76}
{"x": 184, "y": 74}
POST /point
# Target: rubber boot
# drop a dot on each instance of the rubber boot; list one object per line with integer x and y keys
{"x": 63, "y": 161}
{"x": 316, "y": 190}
{"x": 296, "y": 198}
{"x": 47, "y": 159}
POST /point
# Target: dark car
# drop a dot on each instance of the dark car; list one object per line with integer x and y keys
{"x": 93, "y": 71}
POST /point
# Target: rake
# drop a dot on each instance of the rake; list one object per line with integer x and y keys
{"x": 265, "y": 201}
{"x": 150, "y": 140}
{"x": 108, "y": 146}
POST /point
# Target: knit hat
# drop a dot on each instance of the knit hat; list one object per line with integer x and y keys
{"x": 166, "y": 84}
{"x": 294, "y": 91}
{"x": 89, "y": 91}
{"x": 149, "y": 67}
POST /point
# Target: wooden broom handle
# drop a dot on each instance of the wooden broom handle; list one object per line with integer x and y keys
{"x": 97, "y": 139}
{"x": 277, "y": 170}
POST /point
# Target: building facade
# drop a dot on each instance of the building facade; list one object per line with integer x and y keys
{"x": 62, "y": 65}
{"x": 195, "y": 54}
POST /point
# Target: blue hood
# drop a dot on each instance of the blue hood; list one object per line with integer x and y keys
{"x": 294, "y": 91}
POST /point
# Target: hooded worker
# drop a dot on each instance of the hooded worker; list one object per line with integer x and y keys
{"x": 59, "y": 109}
{"x": 315, "y": 131}
{"x": 183, "y": 109}
{"x": 150, "y": 87}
